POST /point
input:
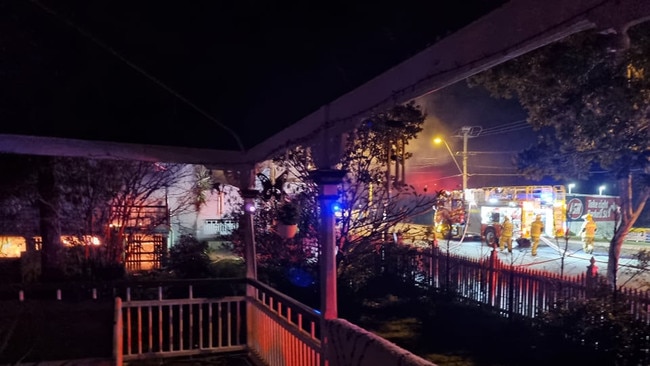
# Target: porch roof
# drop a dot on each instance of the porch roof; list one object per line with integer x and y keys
{"x": 230, "y": 85}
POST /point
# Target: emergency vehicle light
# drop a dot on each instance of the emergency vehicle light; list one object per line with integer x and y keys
{"x": 547, "y": 197}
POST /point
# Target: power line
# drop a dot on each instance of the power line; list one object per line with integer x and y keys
{"x": 506, "y": 128}
{"x": 493, "y": 167}
{"x": 490, "y": 152}
{"x": 505, "y": 125}
{"x": 505, "y": 131}
{"x": 443, "y": 178}
{"x": 138, "y": 69}
{"x": 497, "y": 174}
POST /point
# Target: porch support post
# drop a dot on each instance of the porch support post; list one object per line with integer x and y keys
{"x": 248, "y": 193}
{"x": 247, "y": 182}
{"x": 327, "y": 155}
{"x": 250, "y": 256}
{"x": 328, "y": 181}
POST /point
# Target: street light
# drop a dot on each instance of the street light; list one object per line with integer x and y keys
{"x": 600, "y": 190}
{"x": 438, "y": 140}
{"x": 571, "y": 185}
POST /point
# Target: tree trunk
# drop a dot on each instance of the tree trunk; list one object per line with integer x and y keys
{"x": 625, "y": 219}
{"x": 614, "y": 254}
{"x": 403, "y": 160}
{"x": 50, "y": 225}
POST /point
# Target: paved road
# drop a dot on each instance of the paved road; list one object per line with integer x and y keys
{"x": 549, "y": 258}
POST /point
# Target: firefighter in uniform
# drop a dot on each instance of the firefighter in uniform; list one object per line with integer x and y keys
{"x": 588, "y": 234}
{"x": 536, "y": 230}
{"x": 506, "y": 234}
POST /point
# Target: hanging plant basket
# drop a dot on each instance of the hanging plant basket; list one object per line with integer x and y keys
{"x": 288, "y": 217}
{"x": 287, "y": 231}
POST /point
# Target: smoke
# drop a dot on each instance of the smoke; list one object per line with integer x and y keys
{"x": 489, "y": 155}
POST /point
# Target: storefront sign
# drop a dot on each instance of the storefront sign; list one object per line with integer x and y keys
{"x": 601, "y": 208}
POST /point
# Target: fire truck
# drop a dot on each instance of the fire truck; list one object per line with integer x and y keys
{"x": 480, "y": 212}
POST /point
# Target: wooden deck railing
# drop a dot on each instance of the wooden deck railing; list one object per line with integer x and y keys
{"x": 286, "y": 332}
{"x": 253, "y": 317}
{"x": 178, "y": 327}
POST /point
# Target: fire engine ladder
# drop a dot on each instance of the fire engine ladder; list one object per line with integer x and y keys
{"x": 559, "y": 192}
{"x": 536, "y": 191}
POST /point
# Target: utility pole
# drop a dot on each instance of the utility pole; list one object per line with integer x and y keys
{"x": 466, "y": 132}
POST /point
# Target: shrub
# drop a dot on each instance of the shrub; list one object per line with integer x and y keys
{"x": 229, "y": 268}
{"x": 289, "y": 213}
{"x": 602, "y": 324}
{"x": 189, "y": 258}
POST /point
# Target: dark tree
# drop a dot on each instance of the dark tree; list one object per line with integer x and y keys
{"x": 374, "y": 197}
{"x": 591, "y": 106}
{"x": 49, "y": 205}
{"x": 78, "y": 197}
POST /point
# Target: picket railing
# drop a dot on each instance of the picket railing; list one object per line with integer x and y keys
{"x": 260, "y": 320}
{"x": 251, "y": 317}
{"x": 282, "y": 330}
{"x": 173, "y": 326}
{"x": 508, "y": 289}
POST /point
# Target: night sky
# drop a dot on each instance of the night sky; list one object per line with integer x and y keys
{"x": 502, "y": 131}
{"x": 170, "y": 72}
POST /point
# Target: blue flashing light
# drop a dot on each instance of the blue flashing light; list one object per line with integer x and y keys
{"x": 547, "y": 197}
{"x": 337, "y": 209}
{"x": 300, "y": 277}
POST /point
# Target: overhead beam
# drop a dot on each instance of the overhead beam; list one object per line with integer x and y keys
{"x": 517, "y": 27}
{"x": 54, "y": 146}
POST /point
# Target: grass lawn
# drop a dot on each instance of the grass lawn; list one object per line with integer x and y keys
{"x": 450, "y": 334}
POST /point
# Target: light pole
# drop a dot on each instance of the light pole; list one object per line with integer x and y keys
{"x": 438, "y": 140}
{"x": 571, "y": 185}
{"x": 600, "y": 190}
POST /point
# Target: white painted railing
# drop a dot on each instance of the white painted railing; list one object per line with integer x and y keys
{"x": 179, "y": 327}
{"x": 286, "y": 332}
{"x": 268, "y": 325}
